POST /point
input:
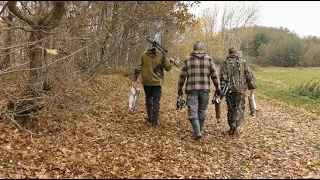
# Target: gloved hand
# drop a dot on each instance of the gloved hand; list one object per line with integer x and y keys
{"x": 180, "y": 93}
{"x": 216, "y": 99}
{"x": 180, "y": 102}
{"x": 171, "y": 60}
{"x": 252, "y": 91}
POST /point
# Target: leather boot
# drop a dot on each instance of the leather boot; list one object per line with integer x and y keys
{"x": 155, "y": 120}
{"x": 201, "y": 124}
{"x": 196, "y": 128}
{"x": 233, "y": 129}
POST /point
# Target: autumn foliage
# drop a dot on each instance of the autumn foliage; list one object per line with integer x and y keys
{"x": 90, "y": 134}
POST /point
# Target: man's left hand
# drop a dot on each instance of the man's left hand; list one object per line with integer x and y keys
{"x": 216, "y": 99}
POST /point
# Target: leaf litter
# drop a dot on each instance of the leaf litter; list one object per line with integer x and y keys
{"x": 94, "y": 136}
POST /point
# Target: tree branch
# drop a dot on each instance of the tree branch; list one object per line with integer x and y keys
{"x": 17, "y": 12}
{"x": 4, "y": 7}
{"x": 25, "y": 7}
{"x": 6, "y": 72}
{"x": 53, "y": 18}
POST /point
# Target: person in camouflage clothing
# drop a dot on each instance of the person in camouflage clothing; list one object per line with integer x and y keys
{"x": 151, "y": 68}
{"x": 198, "y": 69}
{"x": 235, "y": 71}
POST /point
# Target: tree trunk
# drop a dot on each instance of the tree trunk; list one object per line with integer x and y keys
{"x": 103, "y": 14}
{"x": 5, "y": 63}
{"x": 36, "y": 55}
{"x": 40, "y": 25}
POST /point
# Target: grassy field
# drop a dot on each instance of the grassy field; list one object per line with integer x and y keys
{"x": 296, "y": 86}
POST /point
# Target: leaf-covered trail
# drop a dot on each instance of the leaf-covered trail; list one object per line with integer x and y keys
{"x": 91, "y": 135}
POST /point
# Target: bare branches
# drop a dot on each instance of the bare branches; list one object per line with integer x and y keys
{"x": 4, "y": 7}
{"x": 25, "y": 7}
{"x": 54, "y": 17}
{"x": 18, "y": 125}
{"x": 65, "y": 57}
{"x": 21, "y": 15}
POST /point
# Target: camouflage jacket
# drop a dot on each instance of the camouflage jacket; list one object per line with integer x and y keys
{"x": 237, "y": 73}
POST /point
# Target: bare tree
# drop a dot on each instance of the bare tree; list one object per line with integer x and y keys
{"x": 41, "y": 20}
{"x": 209, "y": 19}
{"x": 237, "y": 15}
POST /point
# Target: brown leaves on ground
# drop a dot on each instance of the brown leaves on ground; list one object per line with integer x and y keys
{"x": 92, "y": 135}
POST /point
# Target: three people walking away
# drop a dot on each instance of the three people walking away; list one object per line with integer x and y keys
{"x": 235, "y": 71}
{"x": 151, "y": 67}
{"x": 198, "y": 69}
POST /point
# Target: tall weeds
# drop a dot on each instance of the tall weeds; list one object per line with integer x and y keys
{"x": 310, "y": 89}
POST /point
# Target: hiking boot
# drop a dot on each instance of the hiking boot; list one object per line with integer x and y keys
{"x": 155, "y": 124}
{"x": 155, "y": 120}
{"x": 232, "y": 130}
{"x": 196, "y": 137}
{"x": 201, "y": 122}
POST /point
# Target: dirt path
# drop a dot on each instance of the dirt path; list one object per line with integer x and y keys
{"x": 92, "y": 136}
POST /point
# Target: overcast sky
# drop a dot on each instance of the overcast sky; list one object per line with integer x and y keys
{"x": 301, "y": 17}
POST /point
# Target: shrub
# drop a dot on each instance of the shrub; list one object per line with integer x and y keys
{"x": 310, "y": 89}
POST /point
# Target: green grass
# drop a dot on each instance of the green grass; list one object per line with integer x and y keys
{"x": 295, "y": 86}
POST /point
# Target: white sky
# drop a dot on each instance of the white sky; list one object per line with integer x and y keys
{"x": 301, "y": 17}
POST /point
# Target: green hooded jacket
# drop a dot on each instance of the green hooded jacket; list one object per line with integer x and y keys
{"x": 151, "y": 67}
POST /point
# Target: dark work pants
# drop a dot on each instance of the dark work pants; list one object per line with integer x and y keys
{"x": 153, "y": 95}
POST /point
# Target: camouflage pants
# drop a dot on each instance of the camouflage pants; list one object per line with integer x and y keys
{"x": 236, "y": 108}
{"x": 197, "y": 102}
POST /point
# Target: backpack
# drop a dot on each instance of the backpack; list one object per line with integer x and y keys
{"x": 235, "y": 68}
{"x": 159, "y": 68}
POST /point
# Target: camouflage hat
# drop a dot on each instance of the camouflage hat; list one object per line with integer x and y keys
{"x": 232, "y": 51}
{"x": 198, "y": 47}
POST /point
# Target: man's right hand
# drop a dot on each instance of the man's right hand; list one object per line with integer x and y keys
{"x": 171, "y": 60}
{"x": 218, "y": 120}
{"x": 134, "y": 84}
{"x": 252, "y": 91}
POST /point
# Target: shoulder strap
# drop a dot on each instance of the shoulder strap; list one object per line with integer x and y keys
{"x": 162, "y": 60}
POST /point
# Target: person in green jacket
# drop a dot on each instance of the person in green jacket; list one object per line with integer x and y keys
{"x": 151, "y": 68}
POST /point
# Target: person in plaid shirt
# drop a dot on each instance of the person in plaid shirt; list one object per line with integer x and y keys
{"x": 198, "y": 69}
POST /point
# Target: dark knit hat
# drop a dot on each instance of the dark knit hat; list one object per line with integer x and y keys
{"x": 232, "y": 51}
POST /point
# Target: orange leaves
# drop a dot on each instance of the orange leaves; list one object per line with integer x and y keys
{"x": 95, "y": 137}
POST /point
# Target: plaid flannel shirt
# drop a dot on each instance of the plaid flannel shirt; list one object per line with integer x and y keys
{"x": 198, "y": 70}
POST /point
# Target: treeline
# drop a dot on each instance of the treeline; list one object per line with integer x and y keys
{"x": 280, "y": 47}
{"x": 263, "y": 46}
